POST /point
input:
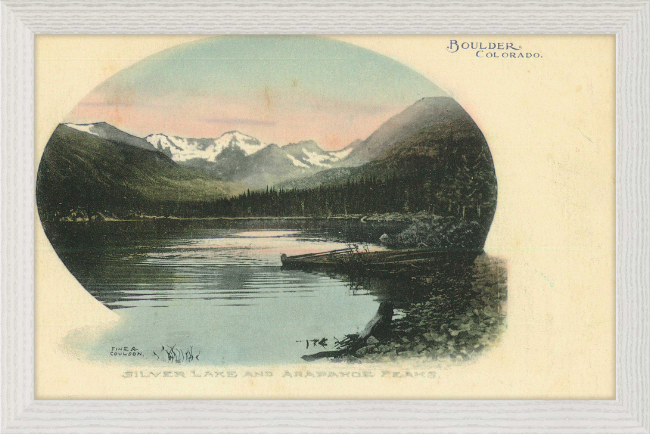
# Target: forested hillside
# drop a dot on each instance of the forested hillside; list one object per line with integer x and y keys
{"x": 83, "y": 176}
{"x": 431, "y": 158}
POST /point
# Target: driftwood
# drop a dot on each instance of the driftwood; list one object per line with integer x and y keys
{"x": 378, "y": 327}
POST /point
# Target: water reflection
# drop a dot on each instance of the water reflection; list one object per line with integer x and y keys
{"x": 217, "y": 289}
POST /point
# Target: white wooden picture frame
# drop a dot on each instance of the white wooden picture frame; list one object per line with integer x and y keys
{"x": 628, "y": 20}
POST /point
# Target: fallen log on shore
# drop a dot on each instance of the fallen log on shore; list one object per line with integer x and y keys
{"x": 389, "y": 261}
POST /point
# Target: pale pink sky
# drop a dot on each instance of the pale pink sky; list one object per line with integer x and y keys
{"x": 279, "y": 119}
{"x": 279, "y": 89}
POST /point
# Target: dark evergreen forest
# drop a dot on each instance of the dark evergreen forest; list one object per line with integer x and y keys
{"x": 362, "y": 197}
{"x": 412, "y": 193}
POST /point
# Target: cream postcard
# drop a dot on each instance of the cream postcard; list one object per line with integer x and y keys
{"x": 325, "y": 217}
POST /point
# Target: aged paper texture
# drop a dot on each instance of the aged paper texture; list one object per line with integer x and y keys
{"x": 362, "y": 217}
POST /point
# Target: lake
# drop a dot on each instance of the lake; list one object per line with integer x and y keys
{"x": 214, "y": 292}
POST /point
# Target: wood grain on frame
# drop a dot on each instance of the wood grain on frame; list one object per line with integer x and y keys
{"x": 629, "y": 413}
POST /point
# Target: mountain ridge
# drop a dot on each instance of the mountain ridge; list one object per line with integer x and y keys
{"x": 431, "y": 159}
{"x": 434, "y": 144}
{"x": 401, "y": 126}
{"x": 231, "y": 156}
{"x": 187, "y": 148}
{"x": 107, "y": 131}
{"x": 240, "y": 160}
{"x": 81, "y": 172}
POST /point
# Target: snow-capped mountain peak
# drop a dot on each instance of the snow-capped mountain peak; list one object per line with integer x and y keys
{"x": 184, "y": 149}
{"x": 233, "y": 156}
{"x": 247, "y": 143}
{"x": 161, "y": 141}
{"x": 303, "y": 155}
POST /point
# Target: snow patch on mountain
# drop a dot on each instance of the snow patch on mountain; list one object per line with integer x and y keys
{"x": 317, "y": 159}
{"x": 296, "y": 162}
{"x": 109, "y": 132}
{"x": 86, "y": 128}
{"x": 308, "y": 154}
{"x": 339, "y": 155}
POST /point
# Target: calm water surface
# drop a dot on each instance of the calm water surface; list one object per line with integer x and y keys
{"x": 216, "y": 290}
{"x": 219, "y": 291}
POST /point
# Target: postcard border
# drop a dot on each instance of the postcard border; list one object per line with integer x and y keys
{"x": 628, "y": 20}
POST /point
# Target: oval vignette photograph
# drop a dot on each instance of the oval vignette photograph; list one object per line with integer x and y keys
{"x": 272, "y": 207}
